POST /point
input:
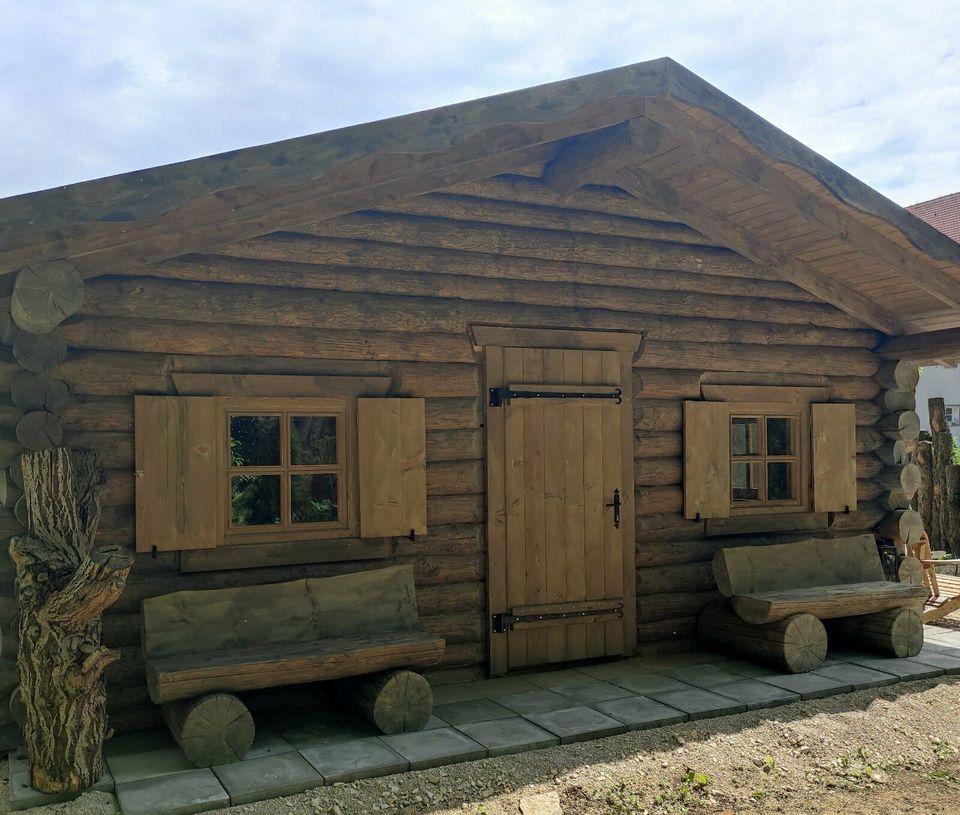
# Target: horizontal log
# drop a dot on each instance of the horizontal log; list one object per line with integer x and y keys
{"x": 657, "y": 445}
{"x": 684, "y": 628}
{"x": 894, "y": 500}
{"x": 867, "y": 413}
{"x": 868, "y": 465}
{"x": 738, "y": 357}
{"x": 665, "y": 384}
{"x": 892, "y": 401}
{"x": 902, "y": 525}
{"x": 454, "y": 509}
{"x": 453, "y": 539}
{"x": 456, "y": 413}
{"x": 905, "y": 479}
{"x": 897, "y": 374}
{"x": 672, "y": 606}
{"x": 904, "y": 424}
{"x": 653, "y": 472}
{"x": 869, "y": 491}
{"x": 895, "y": 453}
{"x": 679, "y": 577}
{"x": 455, "y": 478}
{"x": 657, "y": 500}
{"x": 865, "y": 518}
{"x": 667, "y": 527}
{"x": 869, "y": 439}
{"x": 853, "y": 387}
{"x": 658, "y": 415}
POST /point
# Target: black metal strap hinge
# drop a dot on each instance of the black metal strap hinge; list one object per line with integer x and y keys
{"x": 500, "y": 623}
{"x": 498, "y": 396}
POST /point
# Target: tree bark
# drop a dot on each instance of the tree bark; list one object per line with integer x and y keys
{"x": 63, "y": 586}
{"x": 923, "y": 458}
{"x": 942, "y": 457}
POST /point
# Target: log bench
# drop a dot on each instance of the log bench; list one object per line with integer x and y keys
{"x": 200, "y": 647}
{"x": 780, "y": 594}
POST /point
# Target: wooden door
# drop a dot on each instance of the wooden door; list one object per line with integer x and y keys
{"x": 556, "y": 555}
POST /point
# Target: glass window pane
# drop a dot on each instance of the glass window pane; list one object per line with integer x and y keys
{"x": 254, "y": 441}
{"x": 313, "y": 439}
{"x": 781, "y": 481}
{"x": 780, "y": 436}
{"x": 254, "y": 500}
{"x": 314, "y": 498}
{"x": 744, "y": 436}
{"x": 745, "y": 477}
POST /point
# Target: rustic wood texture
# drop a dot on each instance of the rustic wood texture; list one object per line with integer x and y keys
{"x": 795, "y": 644}
{"x": 834, "y": 450}
{"x": 706, "y": 460}
{"x": 63, "y": 586}
{"x": 897, "y": 632}
{"x": 45, "y": 294}
{"x": 392, "y": 467}
{"x": 393, "y": 701}
{"x": 945, "y": 511}
{"x": 216, "y": 728}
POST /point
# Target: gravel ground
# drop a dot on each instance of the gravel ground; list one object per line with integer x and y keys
{"x": 890, "y": 750}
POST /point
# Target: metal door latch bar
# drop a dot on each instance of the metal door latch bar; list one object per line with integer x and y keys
{"x": 501, "y": 623}
{"x": 498, "y": 396}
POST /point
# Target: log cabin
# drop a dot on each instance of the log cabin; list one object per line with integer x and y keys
{"x": 552, "y": 349}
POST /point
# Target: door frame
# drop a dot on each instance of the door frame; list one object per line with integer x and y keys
{"x": 629, "y": 344}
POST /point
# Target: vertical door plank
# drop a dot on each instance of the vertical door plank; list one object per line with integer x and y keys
{"x": 628, "y": 498}
{"x": 573, "y": 490}
{"x": 612, "y": 470}
{"x": 513, "y": 442}
{"x": 533, "y": 503}
{"x": 496, "y": 513}
{"x": 593, "y": 499}
{"x": 554, "y": 505}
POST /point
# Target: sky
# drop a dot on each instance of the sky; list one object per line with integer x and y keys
{"x": 89, "y": 89}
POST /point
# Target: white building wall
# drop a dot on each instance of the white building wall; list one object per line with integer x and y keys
{"x": 943, "y": 382}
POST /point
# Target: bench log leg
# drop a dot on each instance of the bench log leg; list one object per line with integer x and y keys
{"x": 795, "y": 644}
{"x": 896, "y": 633}
{"x": 212, "y": 729}
{"x": 395, "y": 701}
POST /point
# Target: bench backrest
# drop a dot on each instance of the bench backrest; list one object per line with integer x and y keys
{"x": 350, "y": 605}
{"x": 805, "y": 564}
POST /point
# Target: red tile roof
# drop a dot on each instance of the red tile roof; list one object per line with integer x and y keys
{"x": 943, "y": 213}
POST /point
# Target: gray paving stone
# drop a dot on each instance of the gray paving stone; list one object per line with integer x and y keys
{"x": 147, "y": 764}
{"x": 534, "y": 701}
{"x": 23, "y": 796}
{"x": 327, "y": 728}
{"x": 176, "y": 794}
{"x": 434, "y": 722}
{"x": 699, "y": 703}
{"x": 267, "y": 742}
{"x": 808, "y": 685}
{"x": 435, "y": 748}
{"x": 472, "y": 710}
{"x": 350, "y": 760}
{"x": 592, "y": 692}
{"x": 578, "y": 723}
{"x": 856, "y": 675}
{"x": 567, "y": 676}
{"x": 506, "y": 736}
{"x": 703, "y": 676}
{"x": 757, "y": 695}
{"x": 939, "y": 659}
{"x": 905, "y": 669}
{"x": 607, "y": 671}
{"x": 268, "y": 777}
{"x": 140, "y": 741}
{"x": 480, "y": 688}
{"x": 645, "y": 684}
{"x": 641, "y": 713}
{"x": 749, "y": 670}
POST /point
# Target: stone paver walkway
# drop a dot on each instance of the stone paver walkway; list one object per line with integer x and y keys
{"x": 297, "y": 750}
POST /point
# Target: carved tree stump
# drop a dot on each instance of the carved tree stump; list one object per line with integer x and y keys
{"x": 395, "y": 701}
{"x": 63, "y": 586}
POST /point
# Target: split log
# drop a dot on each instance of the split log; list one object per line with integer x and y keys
{"x": 40, "y": 352}
{"x": 795, "y": 644}
{"x": 910, "y": 571}
{"x": 904, "y": 424}
{"x": 394, "y": 701}
{"x": 897, "y": 499}
{"x": 896, "y": 633}
{"x": 895, "y": 453}
{"x": 216, "y": 728}
{"x": 63, "y": 586}
{"x": 907, "y": 479}
{"x": 904, "y": 526}
{"x": 45, "y": 294}
{"x": 30, "y": 391}
{"x": 895, "y": 400}
{"x": 39, "y": 430}
{"x": 898, "y": 375}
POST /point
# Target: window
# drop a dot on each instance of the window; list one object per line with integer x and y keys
{"x": 286, "y": 470}
{"x": 287, "y": 467}
{"x": 952, "y": 413}
{"x": 765, "y": 460}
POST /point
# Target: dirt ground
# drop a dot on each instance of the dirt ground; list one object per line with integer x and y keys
{"x": 893, "y": 750}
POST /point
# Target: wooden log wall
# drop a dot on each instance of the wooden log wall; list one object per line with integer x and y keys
{"x": 393, "y": 293}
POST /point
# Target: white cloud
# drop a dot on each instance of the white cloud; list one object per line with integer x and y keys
{"x": 95, "y": 88}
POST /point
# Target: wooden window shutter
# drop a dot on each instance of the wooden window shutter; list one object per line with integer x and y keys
{"x": 706, "y": 460}
{"x": 178, "y": 501}
{"x": 393, "y": 467}
{"x": 834, "y": 450}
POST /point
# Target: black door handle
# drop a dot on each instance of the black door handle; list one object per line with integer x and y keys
{"x": 616, "y": 509}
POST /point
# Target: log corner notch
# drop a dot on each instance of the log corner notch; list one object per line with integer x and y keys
{"x": 45, "y": 294}
{"x": 63, "y": 586}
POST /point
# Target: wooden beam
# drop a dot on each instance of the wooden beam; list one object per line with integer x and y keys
{"x": 585, "y": 158}
{"x": 759, "y": 175}
{"x": 647, "y": 186}
{"x": 922, "y": 349}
